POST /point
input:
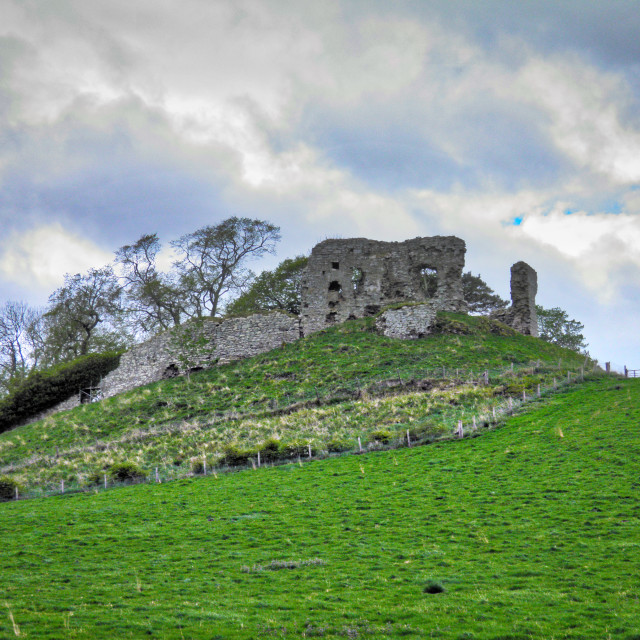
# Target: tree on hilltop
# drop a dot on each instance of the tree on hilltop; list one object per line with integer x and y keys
{"x": 279, "y": 289}
{"x": 555, "y": 326}
{"x": 211, "y": 262}
{"x": 479, "y": 296}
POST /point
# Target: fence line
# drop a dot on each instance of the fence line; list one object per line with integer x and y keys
{"x": 499, "y": 410}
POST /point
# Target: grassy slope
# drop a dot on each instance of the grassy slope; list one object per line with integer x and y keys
{"x": 532, "y": 529}
{"x": 176, "y": 420}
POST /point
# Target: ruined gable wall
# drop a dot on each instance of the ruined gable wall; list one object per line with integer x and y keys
{"x": 357, "y": 277}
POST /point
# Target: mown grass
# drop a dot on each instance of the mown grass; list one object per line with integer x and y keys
{"x": 174, "y": 422}
{"x": 529, "y": 531}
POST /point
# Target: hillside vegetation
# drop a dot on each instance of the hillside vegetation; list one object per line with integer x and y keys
{"x": 323, "y": 392}
{"x": 529, "y": 531}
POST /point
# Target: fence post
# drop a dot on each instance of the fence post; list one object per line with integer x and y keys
{"x": 510, "y": 404}
{"x": 408, "y": 439}
{"x": 474, "y": 423}
{"x": 105, "y": 480}
{"x": 607, "y": 366}
{"x": 460, "y": 429}
{"x": 524, "y": 395}
{"x": 555, "y": 383}
{"x": 258, "y": 458}
{"x": 61, "y": 486}
{"x": 493, "y": 411}
{"x": 157, "y": 477}
{"x": 538, "y": 390}
{"x": 17, "y": 494}
{"x": 568, "y": 376}
{"x": 309, "y": 450}
{"x": 204, "y": 466}
{"x": 486, "y": 376}
{"x": 359, "y": 444}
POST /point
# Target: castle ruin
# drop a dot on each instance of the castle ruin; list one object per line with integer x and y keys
{"x": 357, "y": 277}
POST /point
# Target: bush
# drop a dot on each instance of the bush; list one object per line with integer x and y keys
{"x": 383, "y": 436}
{"x": 338, "y": 445}
{"x": 95, "y": 478}
{"x": 297, "y": 448}
{"x": 270, "y": 450}
{"x": 43, "y": 390}
{"x": 234, "y": 456}
{"x": 126, "y": 472}
{"x": 7, "y": 489}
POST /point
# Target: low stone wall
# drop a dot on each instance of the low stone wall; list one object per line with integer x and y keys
{"x": 407, "y": 323}
{"x": 202, "y": 345}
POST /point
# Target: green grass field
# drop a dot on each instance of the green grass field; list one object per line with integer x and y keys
{"x": 325, "y": 391}
{"x": 530, "y": 530}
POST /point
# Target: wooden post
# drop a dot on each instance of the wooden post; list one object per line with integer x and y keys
{"x": 510, "y": 404}
{"x": 555, "y": 383}
{"x": 493, "y": 411}
{"x": 460, "y": 431}
{"x": 204, "y": 466}
{"x": 486, "y": 376}
{"x": 309, "y": 444}
{"x": 607, "y": 367}
{"x": 524, "y": 395}
{"x": 258, "y": 458}
{"x": 61, "y": 486}
{"x": 105, "y": 480}
{"x": 408, "y": 439}
{"x": 568, "y": 376}
{"x": 157, "y": 477}
{"x": 512, "y": 366}
{"x": 538, "y": 390}
{"x": 474, "y": 423}
{"x": 626, "y": 371}
{"x": 17, "y": 495}
{"x": 359, "y": 444}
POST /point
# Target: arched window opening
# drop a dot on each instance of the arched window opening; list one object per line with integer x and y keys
{"x": 429, "y": 281}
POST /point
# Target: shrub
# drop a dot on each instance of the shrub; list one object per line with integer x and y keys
{"x": 95, "y": 478}
{"x": 297, "y": 448}
{"x": 126, "y": 472}
{"x": 45, "y": 389}
{"x": 270, "y": 450}
{"x": 383, "y": 436}
{"x": 7, "y": 489}
{"x": 233, "y": 456}
{"x": 433, "y": 587}
{"x": 337, "y": 445}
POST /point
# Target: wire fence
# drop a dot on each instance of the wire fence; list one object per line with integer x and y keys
{"x": 452, "y": 425}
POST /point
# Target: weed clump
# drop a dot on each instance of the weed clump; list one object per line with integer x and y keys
{"x": 234, "y": 456}
{"x": 433, "y": 587}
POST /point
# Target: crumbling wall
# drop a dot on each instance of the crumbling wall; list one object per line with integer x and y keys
{"x": 357, "y": 277}
{"x": 239, "y": 338}
{"x": 198, "y": 346}
{"x": 407, "y": 323}
{"x": 521, "y": 315}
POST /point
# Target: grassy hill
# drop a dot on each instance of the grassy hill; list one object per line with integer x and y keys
{"x": 323, "y": 392}
{"x": 529, "y": 531}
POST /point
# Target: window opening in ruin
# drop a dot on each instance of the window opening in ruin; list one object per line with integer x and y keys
{"x": 331, "y": 317}
{"x": 335, "y": 265}
{"x": 429, "y": 281}
{"x": 334, "y": 285}
{"x": 357, "y": 278}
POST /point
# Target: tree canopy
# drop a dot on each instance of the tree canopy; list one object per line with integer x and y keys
{"x": 555, "y": 326}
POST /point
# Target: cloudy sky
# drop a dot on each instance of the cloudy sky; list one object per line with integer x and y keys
{"x": 513, "y": 125}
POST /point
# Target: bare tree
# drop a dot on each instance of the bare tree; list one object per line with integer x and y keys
{"x": 152, "y": 298}
{"x": 20, "y": 344}
{"x": 212, "y": 262}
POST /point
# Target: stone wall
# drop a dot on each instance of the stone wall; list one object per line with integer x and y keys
{"x": 200, "y": 345}
{"x": 407, "y": 323}
{"x": 358, "y": 277}
{"x": 521, "y": 315}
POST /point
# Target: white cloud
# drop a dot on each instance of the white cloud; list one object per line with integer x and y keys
{"x": 40, "y": 257}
